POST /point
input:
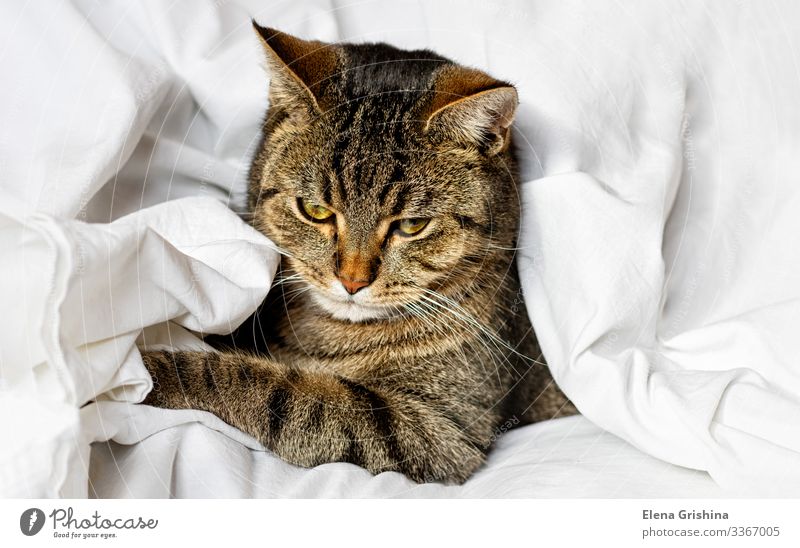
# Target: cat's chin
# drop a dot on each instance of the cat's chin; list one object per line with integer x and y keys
{"x": 349, "y": 310}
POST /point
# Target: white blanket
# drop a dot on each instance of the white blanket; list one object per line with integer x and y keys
{"x": 193, "y": 454}
{"x": 658, "y": 260}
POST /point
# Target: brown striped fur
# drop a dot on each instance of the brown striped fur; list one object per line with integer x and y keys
{"x": 418, "y": 371}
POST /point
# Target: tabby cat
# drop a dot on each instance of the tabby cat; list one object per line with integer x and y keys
{"x": 394, "y": 337}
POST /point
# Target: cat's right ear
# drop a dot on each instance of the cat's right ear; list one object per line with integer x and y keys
{"x": 300, "y": 71}
{"x": 471, "y": 108}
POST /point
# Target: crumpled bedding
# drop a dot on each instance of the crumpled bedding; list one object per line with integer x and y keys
{"x": 657, "y": 256}
{"x": 180, "y": 454}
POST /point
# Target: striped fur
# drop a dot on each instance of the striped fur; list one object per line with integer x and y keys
{"x": 420, "y": 370}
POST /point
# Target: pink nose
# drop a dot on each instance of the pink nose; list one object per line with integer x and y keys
{"x": 352, "y": 286}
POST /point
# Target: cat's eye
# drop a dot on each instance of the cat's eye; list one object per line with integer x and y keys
{"x": 410, "y": 227}
{"x": 313, "y": 211}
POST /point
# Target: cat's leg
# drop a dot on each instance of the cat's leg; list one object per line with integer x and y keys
{"x": 311, "y": 417}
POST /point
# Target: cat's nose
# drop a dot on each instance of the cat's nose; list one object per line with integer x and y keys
{"x": 353, "y": 286}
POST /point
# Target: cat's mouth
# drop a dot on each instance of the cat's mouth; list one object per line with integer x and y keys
{"x": 353, "y": 308}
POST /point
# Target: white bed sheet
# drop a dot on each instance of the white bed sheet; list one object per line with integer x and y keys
{"x": 658, "y": 146}
{"x": 202, "y": 457}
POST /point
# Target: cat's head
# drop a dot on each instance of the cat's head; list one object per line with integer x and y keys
{"x": 384, "y": 174}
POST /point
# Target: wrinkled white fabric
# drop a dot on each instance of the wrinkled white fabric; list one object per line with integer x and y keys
{"x": 193, "y": 454}
{"x": 191, "y": 261}
{"x": 89, "y": 101}
{"x": 657, "y": 259}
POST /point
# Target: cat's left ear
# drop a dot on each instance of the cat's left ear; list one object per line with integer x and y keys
{"x": 300, "y": 71}
{"x": 471, "y": 108}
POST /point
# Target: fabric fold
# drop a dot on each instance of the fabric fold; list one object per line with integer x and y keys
{"x": 658, "y": 261}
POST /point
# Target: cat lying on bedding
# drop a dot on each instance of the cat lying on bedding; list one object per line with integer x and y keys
{"x": 395, "y": 336}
